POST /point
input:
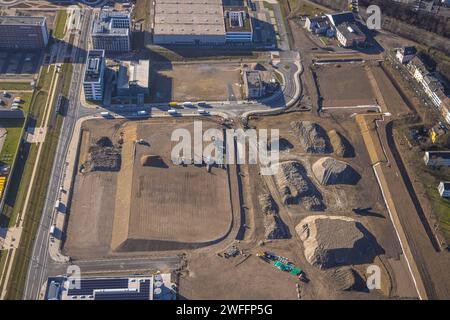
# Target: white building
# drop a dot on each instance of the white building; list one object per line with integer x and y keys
{"x": 198, "y": 22}
{"x": 444, "y": 189}
{"x": 433, "y": 87}
{"x": 93, "y": 83}
{"x": 437, "y": 158}
{"x": 111, "y": 31}
{"x": 406, "y": 54}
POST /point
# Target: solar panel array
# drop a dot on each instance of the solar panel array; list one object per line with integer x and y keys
{"x": 87, "y": 287}
{"x": 142, "y": 294}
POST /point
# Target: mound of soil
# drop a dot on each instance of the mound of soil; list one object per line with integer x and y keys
{"x": 341, "y": 145}
{"x": 332, "y": 241}
{"x": 153, "y": 161}
{"x": 274, "y": 226}
{"x": 296, "y": 187}
{"x": 312, "y": 137}
{"x": 346, "y": 279}
{"x": 330, "y": 171}
{"x": 103, "y": 156}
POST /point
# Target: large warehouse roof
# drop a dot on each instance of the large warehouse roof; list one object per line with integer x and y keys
{"x": 198, "y": 17}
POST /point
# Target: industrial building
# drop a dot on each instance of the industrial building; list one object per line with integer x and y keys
{"x": 93, "y": 83}
{"x": 22, "y": 32}
{"x": 200, "y": 22}
{"x": 112, "y": 31}
{"x": 133, "y": 78}
{"x": 152, "y": 287}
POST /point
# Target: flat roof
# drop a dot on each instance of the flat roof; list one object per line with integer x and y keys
{"x": 246, "y": 24}
{"x": 132, "y": 71}
{"x": 114, "y": 288}
{"x": 197, "y": 17}
{"x": 94, "y": 65}
{"x": 22, "y": 20}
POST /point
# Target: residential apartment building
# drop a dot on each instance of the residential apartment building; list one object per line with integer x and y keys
{"x": 437, "y": 158}
{"x": 93, "y": 83}
{"x": 444, "y": 189}
{"x": 22, "y": 32}
{"x": 112, "y": 31}
{"x": 406, "y": 54}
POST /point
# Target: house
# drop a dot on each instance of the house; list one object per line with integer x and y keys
{"x": 437, "y": 158}
{"x": 433, "y": 87}
{"x": 417, "y": 69}
{"x": 406, "y": 54}
{"x": 444, "y": 189}
{"x": 350, "y": 35}
{"x": 445, "y": 107}
{"x": 347, "y": 31}
{"x": 317, "y": 25}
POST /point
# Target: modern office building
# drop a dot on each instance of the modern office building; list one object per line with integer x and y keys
{"x": 93, "y": 83}
{"x": 238, "y": 25}
{"x": 22, "y": 32}
{"x": 112, "y": 31}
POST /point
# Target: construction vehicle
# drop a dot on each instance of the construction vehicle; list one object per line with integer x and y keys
{"x": 283, "y": 264}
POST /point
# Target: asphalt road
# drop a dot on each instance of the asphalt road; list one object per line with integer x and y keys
{"x": 41, "y": 265}
{"x": 39, "y": 259}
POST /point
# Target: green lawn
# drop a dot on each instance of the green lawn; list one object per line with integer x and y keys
{"x": 10, "y": 146}
{"x": 60, "y": 23}
{"x": 15, "y": 86}
{"x": 441, "y": 208}
{"x": 37, "y": 199}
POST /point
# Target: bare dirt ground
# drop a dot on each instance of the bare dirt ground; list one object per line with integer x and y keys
{"x": 251, "y": 278}
{"x": 344, "y": 85}
{"x": 92, "y": 209}
{"x": 195, "y": 82}
{"x": 180, "y": 205}
{"x": 340, "y": 200}
{"x": 146, "y": 208}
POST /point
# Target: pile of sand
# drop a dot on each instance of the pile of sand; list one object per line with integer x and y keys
{"x": 103, "y": 156}
{"x": 153, "y": 161}
{"x": 274, "y": 226}
{"x": 332, "y": 241}
{"x": 329, "y": 171}
{"x": 312, "y": 137}
{"x": 346, "y": 279}
{"x": 295, "y": 186}
{"x": 341, "y": 145}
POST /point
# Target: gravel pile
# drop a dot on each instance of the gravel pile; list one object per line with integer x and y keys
{"x": 312, "y": 137}
{"x": 346, "y": 279}
{"x": 341, "y": 145}
{"x": 332, "y": 241}
{"x": 296, "y": 187}
{"x": 330, "y": 171}
{"x": 274, "y": 226}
